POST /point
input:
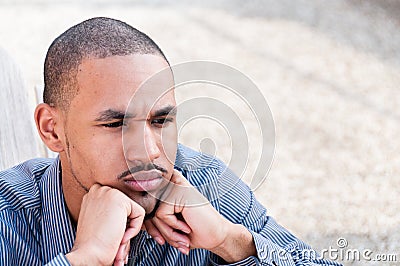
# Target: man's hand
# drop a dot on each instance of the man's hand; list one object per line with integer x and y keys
{"x": 103, "y": 234}
{"x": 187, "y": 215}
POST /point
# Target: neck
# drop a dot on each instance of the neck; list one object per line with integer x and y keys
{"x": 73, "y": 191}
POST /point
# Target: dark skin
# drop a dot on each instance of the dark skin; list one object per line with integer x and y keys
{"x": 107, "y": 202}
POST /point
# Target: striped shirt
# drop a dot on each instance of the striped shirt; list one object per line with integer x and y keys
{"x": 36, "y": 229}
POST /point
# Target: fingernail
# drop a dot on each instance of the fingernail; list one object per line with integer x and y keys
{"x": 159, "y": 240}
{"x": 183, "y": 244}
{"x": 184, "y": 251}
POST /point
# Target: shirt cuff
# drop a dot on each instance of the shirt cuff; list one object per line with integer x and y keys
{"x": 60, "y": 260}
{"x": 250, "y": 261}
{"x": 295, "y": 253}
{"x": 268, "y": 254}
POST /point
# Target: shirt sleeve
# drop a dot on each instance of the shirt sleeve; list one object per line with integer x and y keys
{"x": 274, "y": 244}
{"x": 18, "y": 246}
{"x": 60, "y": 260}
{"x": 12, "y": 247}
{"x": 250, "y": 261}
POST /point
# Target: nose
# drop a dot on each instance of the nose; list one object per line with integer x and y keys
{"x": 141, "y": 144}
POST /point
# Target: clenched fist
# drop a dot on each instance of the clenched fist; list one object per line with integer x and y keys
{"x": 103, "y": 234}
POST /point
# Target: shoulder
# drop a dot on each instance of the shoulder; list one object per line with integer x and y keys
{"x": 19, "y": 184}
{"x": 201, "y": 170}
{"x": 189, "y": 159}
{"x": 20, "y": 211}
{"x": 194, "y": 163}
{"x": 205, "y": 167}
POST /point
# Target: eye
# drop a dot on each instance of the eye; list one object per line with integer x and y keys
{"x": 114, "y": 124}
{"x": 161, "y": 122}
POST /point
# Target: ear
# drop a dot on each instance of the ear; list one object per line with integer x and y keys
{"x": 49, "y": 126}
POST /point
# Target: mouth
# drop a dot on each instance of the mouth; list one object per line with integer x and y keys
{"x": 144, "y": 180}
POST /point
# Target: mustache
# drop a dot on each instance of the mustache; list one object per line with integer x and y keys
{"x": 142, "y": 167}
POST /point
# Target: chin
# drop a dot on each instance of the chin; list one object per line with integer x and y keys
{"x": 147, "y": 200}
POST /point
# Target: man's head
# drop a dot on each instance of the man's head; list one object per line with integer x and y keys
{"x": 94, "y": 38}
{"x": 92, "y": 71}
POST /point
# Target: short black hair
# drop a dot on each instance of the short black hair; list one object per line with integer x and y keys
{"x": 98, "y": 37}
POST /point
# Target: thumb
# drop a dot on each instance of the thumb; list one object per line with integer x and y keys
{"x": 135, "y": 218}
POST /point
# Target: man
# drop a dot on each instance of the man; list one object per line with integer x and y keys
{"x": 122, "y": 188}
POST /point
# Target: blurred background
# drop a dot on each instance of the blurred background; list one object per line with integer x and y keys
{"x": 330, "y": 71}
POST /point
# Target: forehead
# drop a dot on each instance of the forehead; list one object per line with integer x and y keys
{"x": 112, "y": 83}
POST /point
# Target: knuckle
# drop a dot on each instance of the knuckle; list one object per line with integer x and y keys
{"x": 141, "y": 212}
{"x": 113, "y": 194}
{"x": 157, "y": 215}
{"x": 160, "y": 213}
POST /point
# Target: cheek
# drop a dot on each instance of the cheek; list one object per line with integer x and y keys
{"x": 79, "y": 161}
{"x": 107, "y": 157}
{"x": 169, "y": 143}
{"x": 98, "y": 157}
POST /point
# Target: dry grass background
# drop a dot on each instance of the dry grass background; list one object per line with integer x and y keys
{"x": 330, "y": 73}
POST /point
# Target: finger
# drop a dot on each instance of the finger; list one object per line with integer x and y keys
{"x": 167, "y": 213}
{"x": 127, "y": 250}
{"x": 178, "y": 178}
{"x": 173, "y": 237}
{"x": 118, "y": 263}
{"x": 121, "y": 255}
{"x": 136, "y": 213}
{"x": 154, "y": 232}
{"x": 183, "y": 194}
{"x": 135, "y": 216}
{"x": 132, "y": 230}
{"x": 95, "y": 186}
{"x": 177, "y": 182}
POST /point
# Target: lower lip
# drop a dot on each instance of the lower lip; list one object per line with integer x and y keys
{"x": 144, "y": 185}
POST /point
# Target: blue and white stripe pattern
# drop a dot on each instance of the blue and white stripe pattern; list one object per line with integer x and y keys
{"x": 35, "y": 227}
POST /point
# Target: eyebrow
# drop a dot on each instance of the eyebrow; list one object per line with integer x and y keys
{"x": 169, "y": 110}
{"x": 111, "y": 114}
